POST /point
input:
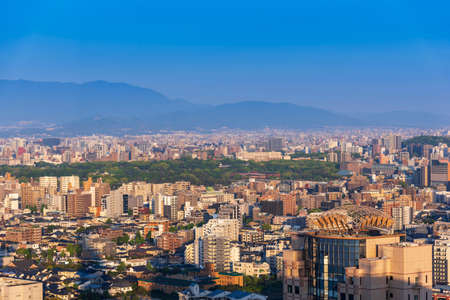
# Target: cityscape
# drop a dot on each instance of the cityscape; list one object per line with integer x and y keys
{"x": 310, "y": 161}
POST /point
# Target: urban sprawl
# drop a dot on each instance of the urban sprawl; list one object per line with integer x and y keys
{"x": 235, "y": 215}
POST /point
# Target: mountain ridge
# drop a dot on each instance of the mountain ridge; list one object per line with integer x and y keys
{"x": 119, "y": 108}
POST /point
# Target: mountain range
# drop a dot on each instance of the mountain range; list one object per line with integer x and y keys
{"x": 118, "y": 108}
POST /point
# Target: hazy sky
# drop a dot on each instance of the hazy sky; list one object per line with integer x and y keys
{"x": 342, "y": 55}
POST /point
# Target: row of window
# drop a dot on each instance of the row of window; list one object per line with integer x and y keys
{"x": 293, "y": 289}
{"x": 343, "y": 296}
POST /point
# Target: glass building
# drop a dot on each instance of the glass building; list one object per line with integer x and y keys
{"x": 327, "y": 256}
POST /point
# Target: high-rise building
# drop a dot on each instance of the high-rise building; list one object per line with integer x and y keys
{"x": 402, "y": 216}
{"x": 274, "y": 207}
{"x": 229, "y": 211}
{"x": 32, "y": 195}
{"x": 400, "y": 271}
{"x": 170, "y": 208}
{"x": 289, "y": 204}
{"x": 441, "y": 262}
{"x": 393, "y": 143}
{"x": 439, "y": 172}
{"x": 228, "y": 228}
{"x": 113, "y": 204}
{"x": 69, "y": 183}
{"x": 216, "y": 250}
{"x": 339, "y": 239}
{"x": 275, "y": 144}
{"x": 424, "y": 175}
{"x": 78, "y": 204}
{"x": 49, "y": 182}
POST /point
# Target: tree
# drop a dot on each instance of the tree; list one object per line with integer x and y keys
{"x": 150, "y": 267}
{"x": 122, "y": 267}
{"x": 148, "y": 237}
{"x": 74, "y": 250}
{"x": 124, "y": 239}
{"x": 80, "y": 230}
{"x": 51, "y": 255}
{"x": 138, "y": 239}
{"x": 266, "y": 227}
{"x": 25, "y": 252}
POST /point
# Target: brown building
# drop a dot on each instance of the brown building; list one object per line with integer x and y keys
{"x": 29, "y": 234}
{"x": 165, "y": 284}
{"x": 31, "y": 195}
{"x": 78, "y": 204}
{"x": 289, "y": 204}
{"x": 169, "y": 241}
{"x": 229, "y": 278}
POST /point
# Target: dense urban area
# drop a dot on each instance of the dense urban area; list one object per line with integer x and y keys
{"x": 241, "y": 216}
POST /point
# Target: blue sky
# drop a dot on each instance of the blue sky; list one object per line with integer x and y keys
{"x": 342, "y": 55}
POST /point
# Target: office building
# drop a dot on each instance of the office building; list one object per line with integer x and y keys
{"x": 338, "y": 239}
{"x": 400, "y": 271}
{"x": 439, "y": 172}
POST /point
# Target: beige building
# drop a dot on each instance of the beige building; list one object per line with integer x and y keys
{"x": 228, "y": 228}
{"x": 402, "y": 271}
{"x": 253, "y": 268}
{"x": 259, "y": 156}
{"x": 20, "y": 289}
{"x": 69, "y": 183}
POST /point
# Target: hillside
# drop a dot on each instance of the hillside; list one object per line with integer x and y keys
{"x": 427, "y": 140}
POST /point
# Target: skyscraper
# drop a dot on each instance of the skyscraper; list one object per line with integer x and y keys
{"x": 216, "y": 250}
{"x": 275, "y": 144}
{"x": 340, "y": 238}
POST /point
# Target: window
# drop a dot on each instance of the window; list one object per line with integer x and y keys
{"x": 297, "y": 290}
{"x": 409, "y": 281}
{"x": 290, "y": 289}
{"x": 342, "y": 297}
{"x": 350, "y": 297}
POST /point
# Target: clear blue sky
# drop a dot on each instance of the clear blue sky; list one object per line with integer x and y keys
{"x": 341, "y": 55}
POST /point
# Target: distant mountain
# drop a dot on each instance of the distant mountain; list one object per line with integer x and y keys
{"x": 255, "y": 115}
{"x": 57, "y": 102}
{"x": 102, "y": 107}
{"x": 241, "y": 115}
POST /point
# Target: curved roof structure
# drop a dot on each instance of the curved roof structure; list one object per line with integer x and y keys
{"x": 350, "y": 218}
